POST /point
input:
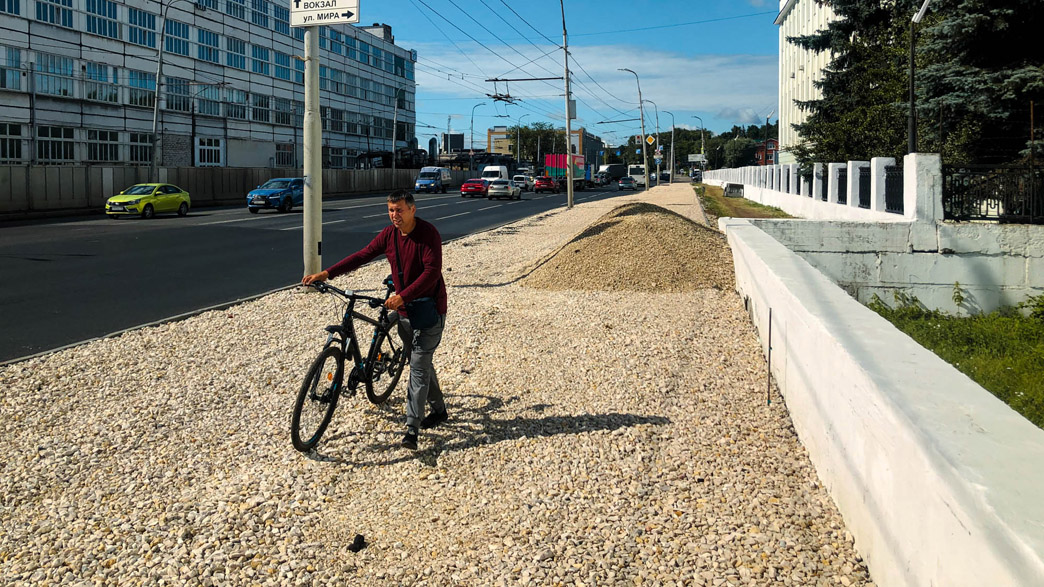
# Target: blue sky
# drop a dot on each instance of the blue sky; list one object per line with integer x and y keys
{"x": 713, "y": 58}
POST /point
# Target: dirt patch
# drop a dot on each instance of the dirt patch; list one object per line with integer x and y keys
{"x": 639, "y": 247}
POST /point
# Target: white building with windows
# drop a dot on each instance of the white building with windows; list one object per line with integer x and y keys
{"x": 78, "y": 84}
{"x": 798, "y": 67}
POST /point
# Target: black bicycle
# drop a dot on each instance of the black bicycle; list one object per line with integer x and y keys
{"x": 379, "y": 371}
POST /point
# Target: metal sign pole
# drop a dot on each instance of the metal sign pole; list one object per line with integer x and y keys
{"x": 313, "y": 157}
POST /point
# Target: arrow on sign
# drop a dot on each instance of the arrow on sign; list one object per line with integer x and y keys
{"x": 347, "y": 14}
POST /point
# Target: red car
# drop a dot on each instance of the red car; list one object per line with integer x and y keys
{"x": 475, "y": 187}
{"x": 544, "y": 183}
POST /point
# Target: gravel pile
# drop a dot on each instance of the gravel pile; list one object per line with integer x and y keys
{"x": 595, "y": 438}
{"x": 640, "y": 247}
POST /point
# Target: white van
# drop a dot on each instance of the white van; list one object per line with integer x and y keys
{"x": 432, "y": 179}
{"x": 491, "y": 172}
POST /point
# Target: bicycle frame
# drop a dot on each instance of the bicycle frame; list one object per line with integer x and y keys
{"x": 345, "y": 334}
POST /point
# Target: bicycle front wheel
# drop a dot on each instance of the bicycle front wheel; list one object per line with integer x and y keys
{"x": 384, "y": 367}
{"x": 317, "y": 399}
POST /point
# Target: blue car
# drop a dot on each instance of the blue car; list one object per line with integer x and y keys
{"x": 282, "y": 193}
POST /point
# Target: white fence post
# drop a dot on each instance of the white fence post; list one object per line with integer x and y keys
{"x": 922, "y": 187}
{"x": 817, "y": 181}
{"x": 834, "y": 169}
{"x": 854, "y": 186}
{"x": 877, "y": 182}
{"x": 795, "y": 185}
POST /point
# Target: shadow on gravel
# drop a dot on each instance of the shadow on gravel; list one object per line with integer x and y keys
{"x": 466, "y": 428}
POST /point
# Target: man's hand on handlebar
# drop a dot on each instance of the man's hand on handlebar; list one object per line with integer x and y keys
{"x": 310, "y": 279}
{"x": 394, "y": 302}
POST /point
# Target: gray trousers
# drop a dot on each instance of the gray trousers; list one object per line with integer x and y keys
{"x": 424, "y": 383}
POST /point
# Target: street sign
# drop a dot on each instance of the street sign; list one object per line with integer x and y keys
{"x": 319, "y": 12}
{"x": 650, "y": 139}
{"x": 657, "y": 160}
{"x": 696, "y": 158}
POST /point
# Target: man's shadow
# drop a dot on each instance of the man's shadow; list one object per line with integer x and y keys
{"x": 466, "y": 428}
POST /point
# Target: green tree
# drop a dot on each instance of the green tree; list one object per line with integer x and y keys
{"x": 980, "y": 64}
{"x": 860, "y": 114}
{"x": 740, "y": 152}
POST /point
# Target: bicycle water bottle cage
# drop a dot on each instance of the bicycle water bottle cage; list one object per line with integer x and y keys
{"x": 335, "y": 329}
{"x": 375, "y": 304}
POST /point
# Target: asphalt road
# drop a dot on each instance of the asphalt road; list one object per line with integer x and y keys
{"x": 69, "y": 280}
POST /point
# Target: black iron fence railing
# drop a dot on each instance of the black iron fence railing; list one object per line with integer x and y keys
{"x": 842, "y": 186}
{"x": 988, "y": 192}
{"x": 825, "y": 184}
{"x": 894, "y": 189}
{"x": 864, "y": 187}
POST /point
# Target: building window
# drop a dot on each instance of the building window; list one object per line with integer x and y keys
{"x": 283, "y": 114}
{"x": 57, "y": 12}
{"x": 322, "y": 37}
{"x": 101, "y": 83}
{"x": 336, "y": 120}
{"x": 54, "y": 145}
{"x": 208, "y": 152}
{"x": 324, "y": 116}
{"x": 142, "y": 29}
{"x": 298, "y": 113}
{"x": 284, "y": 155}
{"x": 337, "y": 157}
{"x": 260, "y": 110}
{"x": 337, "y": 84}
{"x": 101, "y": 19}
{"x": 103, "y": 145}
{"x": 236, "y": 53}
{"x": 142, "y": 88}
{"x": 236, "y": 8}
{"x": 298, "y": 68}
{"x": 299, "y": 33}
{"x": 54, "y": 75}
{"x": 282, "y": 19}
{"x": 10, "y": 68}
{"x": 324, "y": 76}
{"x": 336, "y": 42}
{"x": 140, "y": 147}
{"x": 409, "y": 70}
{"x": 235, "y": 104}
{"x": 400, "y": 66}
{"x": 177, "y": 94}
{"x": 11, "y": 7}
{"x": 10, "y": 142}
{"x": 282, "y": 66}
{"x": 353, "y": 53}
{"x": 208, "y": 49}
{"x": 353, "y": 85}
{"x": 353, "y": 123}
{"x": 259, "y": 14}
{"x": 211, "y": 4}
{"x": 364, "y": 53}
{"x": 260, "y": 60}
{"x": 177, "y": 39}
{"x": 210, "y": 101}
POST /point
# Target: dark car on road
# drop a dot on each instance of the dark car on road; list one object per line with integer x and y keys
{"x": 474, "y": 187}
{"x": 627, "y": 183}
{"x": 282, "y": 193}
{"x": 544, "y": 184}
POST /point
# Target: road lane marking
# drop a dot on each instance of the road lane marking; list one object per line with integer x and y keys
{"x": 375, "y": 215}
{"x": 324, "y": 224}
{"x": 489, "y": 207}
{"x": 452, "y": 216}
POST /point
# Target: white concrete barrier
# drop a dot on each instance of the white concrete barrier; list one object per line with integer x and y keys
{"x": 939, "y": 482}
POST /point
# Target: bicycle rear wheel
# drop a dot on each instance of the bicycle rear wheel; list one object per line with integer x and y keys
{"x": 317, "y": 399}
{"x": 384, "y": 367}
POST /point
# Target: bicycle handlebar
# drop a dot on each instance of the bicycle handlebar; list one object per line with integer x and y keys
{"x": 323, "y": 287}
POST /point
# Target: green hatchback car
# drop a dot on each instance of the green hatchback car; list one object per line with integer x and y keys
{"x": 147, "y": 200}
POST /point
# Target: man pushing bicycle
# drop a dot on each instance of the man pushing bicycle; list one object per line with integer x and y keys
{"x": 414, "y": 250}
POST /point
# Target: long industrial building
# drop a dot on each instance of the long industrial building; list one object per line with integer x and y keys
{"x": 78, "y": 85}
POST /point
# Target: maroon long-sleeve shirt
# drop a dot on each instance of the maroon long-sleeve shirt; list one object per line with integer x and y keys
{"x": 421, "y": 252}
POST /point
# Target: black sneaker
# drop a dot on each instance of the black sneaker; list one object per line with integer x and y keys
{"x": 409, "y": 440}
{"x": 434, "y": 419}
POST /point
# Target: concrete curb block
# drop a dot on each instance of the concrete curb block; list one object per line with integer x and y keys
{"x": 938, "y": 480}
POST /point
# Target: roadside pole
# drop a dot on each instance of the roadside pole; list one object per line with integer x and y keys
{"x": 313, "y": 158}
{"x": 569, "y": 115}
{"x": 311, "y": 15}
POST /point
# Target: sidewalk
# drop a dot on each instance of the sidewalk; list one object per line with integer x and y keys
{"x": 595, "y": 437}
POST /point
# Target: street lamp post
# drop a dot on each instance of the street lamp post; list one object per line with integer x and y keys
{"x": 156, "y": 99}
{"x": 641, "y": 114}
{"x": 671, "y": 179}
{"x": 471, "y": 141}
{"x": 518, "y": 141}
{"x": 702, "y": 143}
{"x": 911, "y": 119}
{"x": 395, "y": 128}
{"x": 767, "y": 135}
{"x": 657, "y": 110}
{"x": 569, "y": 114}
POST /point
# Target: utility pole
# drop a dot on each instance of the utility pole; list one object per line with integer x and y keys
{"x": 641, "y": 115}
{"x": 518, "y": 142}
{"x": 569, "y": 114}
{"x": 671, "y": 179}
{"x": 471, "y": 141}
{"x": 395, "y": 128}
